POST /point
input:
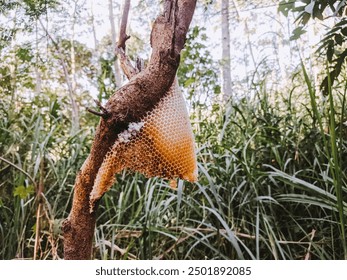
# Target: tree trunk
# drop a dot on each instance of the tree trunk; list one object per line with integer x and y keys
{"x": 38, "y": 86}
{"x": 75, "y": 120}
{"x": 226, "y": 73}
{"x": 249, "y": 43}
{"x": 129, "y": 104}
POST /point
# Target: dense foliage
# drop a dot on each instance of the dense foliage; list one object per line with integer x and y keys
{"x": 333, "y": 43}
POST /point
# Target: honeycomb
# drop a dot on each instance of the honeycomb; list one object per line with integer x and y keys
{"x": 161, "y": 144}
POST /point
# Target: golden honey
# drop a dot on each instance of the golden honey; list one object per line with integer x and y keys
{"x": 161, "y": 144}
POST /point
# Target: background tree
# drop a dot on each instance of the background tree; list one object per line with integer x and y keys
{"x": 333, "y": 45}
{"x": 226, "y": 50}
{"x": 114, "y": 43}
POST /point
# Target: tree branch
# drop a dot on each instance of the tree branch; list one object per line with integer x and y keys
{"x": 123, "y": 37}
{"x": 104, "y": 113}
{"x": 128, "y": 69}
{"x": 129, "y": 104}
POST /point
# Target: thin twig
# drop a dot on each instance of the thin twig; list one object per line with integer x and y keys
{"x": 96, "y": 113}
{"x": 104, "y": 113}
{"x": 308, "y": 254}
{"x": 101, "y": 107}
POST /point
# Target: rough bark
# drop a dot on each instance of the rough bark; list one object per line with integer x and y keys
{"x": 129, "y": 104}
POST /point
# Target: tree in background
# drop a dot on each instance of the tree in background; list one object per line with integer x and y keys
{"x": 334, "y": 44}
{"x": 226, "y": 73}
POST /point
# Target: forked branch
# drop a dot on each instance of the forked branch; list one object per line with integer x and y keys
{"x": 129, "y": 104}
{"x": 123, "y": 37}
{"x": 128, "y": 69}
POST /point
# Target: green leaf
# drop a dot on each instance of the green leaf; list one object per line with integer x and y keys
{"x": 318, "y": 14}
{"x": 54, "y": 107}
{"x": 285, "y": 7}
{"x": 330, "y": 53}
{"x": 23, "y": 192}
{"x": 297, "y": 32}
{"x": 24, "y": 54}
{"x": 340, "y": 8}
{"x": 338, "y": 39}
{"x": 217, "y": 89}
{"x": 188, "y": 82}
{"x": 305, "y": 18}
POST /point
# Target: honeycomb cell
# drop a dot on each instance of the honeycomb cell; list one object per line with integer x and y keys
{"x": 161, "y": 144}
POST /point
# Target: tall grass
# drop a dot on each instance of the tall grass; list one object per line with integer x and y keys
{"x": 36, "y": 148}
{"x": 272, "y": 184}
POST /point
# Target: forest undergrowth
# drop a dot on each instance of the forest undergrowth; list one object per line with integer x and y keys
{"x": 272, "y": 181}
